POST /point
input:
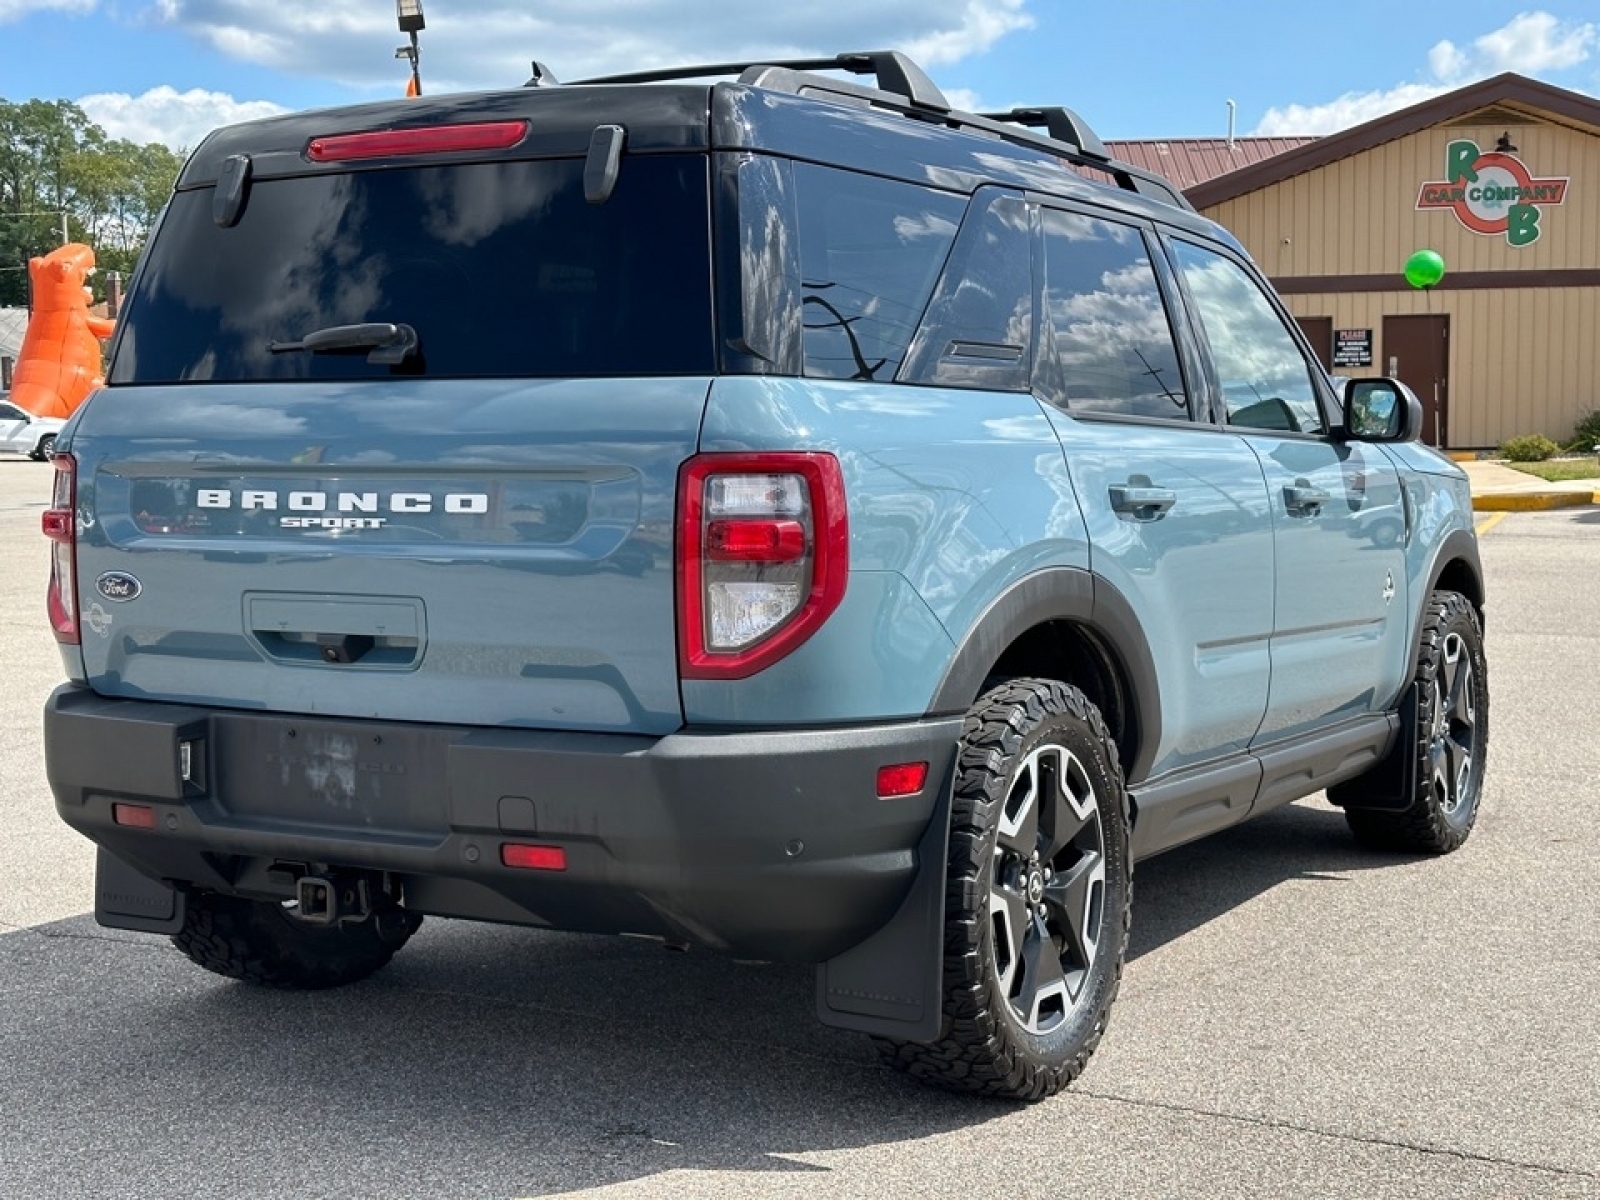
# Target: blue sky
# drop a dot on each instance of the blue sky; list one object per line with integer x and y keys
{"x": 170, "y": 70}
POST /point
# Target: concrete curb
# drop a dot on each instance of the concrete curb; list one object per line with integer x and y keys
{"x": 1532, "y": 501}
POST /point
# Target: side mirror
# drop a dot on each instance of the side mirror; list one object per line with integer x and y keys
{"x": 1381, "y": 410}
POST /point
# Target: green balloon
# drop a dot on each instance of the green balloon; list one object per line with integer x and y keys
{"x": 1424, "y": 269}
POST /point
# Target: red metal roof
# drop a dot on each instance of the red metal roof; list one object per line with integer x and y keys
{"x": 1189, "y": 161}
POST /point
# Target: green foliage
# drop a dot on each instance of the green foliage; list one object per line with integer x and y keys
{"x": 1532, "y": 447}
{"x": 53, "y": 159}
{"x": 1586, "y": 436}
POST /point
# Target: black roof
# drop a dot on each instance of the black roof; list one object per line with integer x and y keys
{"x": 906, "y": 132}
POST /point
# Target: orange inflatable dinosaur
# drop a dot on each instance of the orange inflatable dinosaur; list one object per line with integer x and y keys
{"x": 59, "y": 363}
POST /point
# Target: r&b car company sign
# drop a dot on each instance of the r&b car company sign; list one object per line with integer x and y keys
{"x": 1492, "y": 193}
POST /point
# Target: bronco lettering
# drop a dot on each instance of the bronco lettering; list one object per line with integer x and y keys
{"x": 454, "y": 503}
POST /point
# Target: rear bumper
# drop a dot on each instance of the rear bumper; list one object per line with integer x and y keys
{"x": 763, "y": 844}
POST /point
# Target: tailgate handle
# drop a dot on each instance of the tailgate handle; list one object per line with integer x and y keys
{"x": 380, "y": 632}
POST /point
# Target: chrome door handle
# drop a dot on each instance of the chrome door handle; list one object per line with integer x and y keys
{"x": 1303, "y": 500}
{"x": 1141, "y": 503}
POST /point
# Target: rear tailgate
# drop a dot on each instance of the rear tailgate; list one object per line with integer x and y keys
{"x": 469, "y": 551}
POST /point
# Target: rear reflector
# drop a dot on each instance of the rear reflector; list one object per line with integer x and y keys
{"x": 134, "y": 816}
{"x": 902, "y": 779}
{"x": 533, "y": 858}
{"x": 433, "y": 139}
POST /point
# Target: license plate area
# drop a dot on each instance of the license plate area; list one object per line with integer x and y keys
{"x": 335, "y": 774}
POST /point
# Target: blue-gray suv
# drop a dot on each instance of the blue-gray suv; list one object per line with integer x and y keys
{"x": 783, "y": 516}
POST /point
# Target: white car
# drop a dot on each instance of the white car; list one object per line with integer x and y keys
{"x": 23, "y": 433}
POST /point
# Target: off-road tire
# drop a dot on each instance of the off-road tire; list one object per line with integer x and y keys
{"x": 1011, "y": 735}
{"x": 1451, "y": 738}
{"x": 45, "y": 448}
{"x": 260, "y": 942}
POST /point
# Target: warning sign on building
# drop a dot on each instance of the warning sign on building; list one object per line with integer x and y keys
{"x": 1352, "y": 347}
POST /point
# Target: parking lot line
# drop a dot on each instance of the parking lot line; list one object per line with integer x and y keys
{"x": 1489, "y": 522}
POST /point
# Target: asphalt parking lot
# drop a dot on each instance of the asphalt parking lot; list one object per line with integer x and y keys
{"x": 1298, "y": 1018}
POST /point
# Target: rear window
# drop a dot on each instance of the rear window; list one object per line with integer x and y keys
{"x": 503, "y": 269}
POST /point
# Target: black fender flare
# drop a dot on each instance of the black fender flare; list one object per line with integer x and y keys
{"x": 1460, "y": 545}
{"x": 1060, "y": 594}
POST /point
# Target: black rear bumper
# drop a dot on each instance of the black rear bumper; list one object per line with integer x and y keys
{"x": 769, "y": 845}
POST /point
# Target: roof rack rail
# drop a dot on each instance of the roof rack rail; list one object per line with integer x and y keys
{"x": 1062, "y": 124}
{"x": 896, "y": 74}
{"x": 905, "y": 87}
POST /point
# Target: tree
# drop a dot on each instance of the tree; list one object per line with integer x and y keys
{"x": 53, "y": 159}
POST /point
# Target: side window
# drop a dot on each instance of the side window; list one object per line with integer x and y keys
{"x": 870, "y": 251}
{"x": 978, "y": 332}
{"x": 1265, "y": 379}
{"x": 7, "y": 413}
{"x": 1107, "y": 328}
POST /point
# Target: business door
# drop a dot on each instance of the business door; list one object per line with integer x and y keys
{"x": 1416, "y": 351}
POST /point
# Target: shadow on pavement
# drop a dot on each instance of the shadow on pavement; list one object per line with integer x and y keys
{"x": 488, "y": 1061}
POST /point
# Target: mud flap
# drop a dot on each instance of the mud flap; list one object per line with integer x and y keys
{"x": 1391, "y": 786}
{"x": 126, "y": 898}
{"x": 892, "y": 983}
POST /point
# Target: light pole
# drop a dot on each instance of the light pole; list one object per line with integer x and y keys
{"x": 409, "y": 13}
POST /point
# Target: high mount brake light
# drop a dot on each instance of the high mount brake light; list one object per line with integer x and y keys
{"x": 431, "y": 139}
{"x": 59, "y": 524}
{"x": 763, "y": 557}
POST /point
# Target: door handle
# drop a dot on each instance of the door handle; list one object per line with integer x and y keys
{"x": 1142, "y": 503}
{"x": 1303, "y": 500}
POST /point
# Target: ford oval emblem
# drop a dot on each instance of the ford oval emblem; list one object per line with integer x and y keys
{"x": 118, "y": 586}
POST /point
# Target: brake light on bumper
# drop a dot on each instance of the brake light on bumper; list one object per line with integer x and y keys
{"x": 59, "y": 524}
{"x": 763, "y": 556}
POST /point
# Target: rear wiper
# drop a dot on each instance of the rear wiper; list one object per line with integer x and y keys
{"x": 390, "y": 344}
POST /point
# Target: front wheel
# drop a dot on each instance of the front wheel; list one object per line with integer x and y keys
{"x": 1038, "y": 896}
{"x": 45, "y": 448}
{"x": 263, "y": 942}
{"x": 1451, "y": 738}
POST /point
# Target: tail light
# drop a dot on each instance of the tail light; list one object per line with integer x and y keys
{"x": 60, "y": 525}
{"x": 763, "y": 554}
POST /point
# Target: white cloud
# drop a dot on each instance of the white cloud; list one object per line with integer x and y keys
{"x": 1534, "y": 42}
{"x": 164, "y": 114}
{"x": 15, "y": 10}
{"x": 1529, "y": 44}
{"x": 489, "y": 43}
{"x": 1352, "y": 108}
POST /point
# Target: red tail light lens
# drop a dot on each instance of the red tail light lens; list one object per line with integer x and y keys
{"x": 60, "y": 525}
{"x": 763, "y": 556}
{"x": 433, "y": 139}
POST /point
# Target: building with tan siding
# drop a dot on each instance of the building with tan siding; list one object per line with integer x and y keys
{"x": 1502, "y": 179}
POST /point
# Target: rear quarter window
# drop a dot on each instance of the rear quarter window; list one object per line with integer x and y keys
{"x": 870, "y": 251}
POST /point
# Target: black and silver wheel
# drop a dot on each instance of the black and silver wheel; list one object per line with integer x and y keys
{"x": 1037, "y": 904}
{"x": 1451, "y": 738}
{"x": 263, "y": 942}
{"x": 45, "y": 448}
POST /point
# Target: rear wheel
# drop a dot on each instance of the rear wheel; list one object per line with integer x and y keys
{"x": 1038, "y": 896}
{"x": 263, "y": 942}
{"x": 45, "y": 448}
{"x": 1451, "y": 738}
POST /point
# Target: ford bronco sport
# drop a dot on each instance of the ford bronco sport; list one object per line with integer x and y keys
{"x": 781, "y": 515}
